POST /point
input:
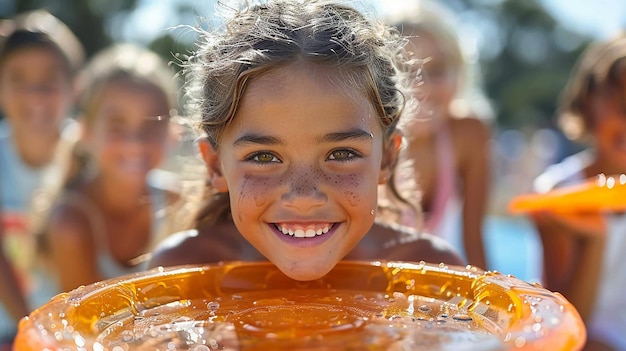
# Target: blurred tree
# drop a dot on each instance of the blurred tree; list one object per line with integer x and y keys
{"x": 526, "y": 58}
{"x": 86, "y": 18}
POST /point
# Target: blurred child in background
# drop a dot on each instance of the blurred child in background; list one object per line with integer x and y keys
{"x": 584, "y": 255}
{"x": 108, "y": 215}
{"x": 447, "y": 139}
{"x": 39, "y": 56}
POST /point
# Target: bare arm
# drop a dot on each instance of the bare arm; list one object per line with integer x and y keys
{"x": 573, "y": 249}
{"x": 10, "y": 294}
{"x": 475, "y": 172}
{"x": 72, "y": 249}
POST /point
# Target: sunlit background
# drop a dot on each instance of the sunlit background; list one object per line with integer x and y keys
{"x": 524, "y": 50}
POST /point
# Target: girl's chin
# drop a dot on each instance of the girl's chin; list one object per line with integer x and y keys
{"x": 305, "y": 271}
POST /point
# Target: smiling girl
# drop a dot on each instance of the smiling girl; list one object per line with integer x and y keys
{"x": 109, "y": 215}
{"x": 584, "y": 253}
{"x": 299, "y": 102}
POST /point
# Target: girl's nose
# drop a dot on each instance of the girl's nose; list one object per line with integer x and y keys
{"x": 303, "y": 191}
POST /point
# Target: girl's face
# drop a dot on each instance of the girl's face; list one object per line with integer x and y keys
{"x": 126, "y": 136}
{"x": 440, "y": 76}
{"x": 302, "y": 159}
{"x": 35, "y": 95}
{"x": 609, "y": 113}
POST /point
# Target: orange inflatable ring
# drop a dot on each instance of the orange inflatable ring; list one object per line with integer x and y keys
{"x": 357, "y": 306}
{"x": 594, "y": 195}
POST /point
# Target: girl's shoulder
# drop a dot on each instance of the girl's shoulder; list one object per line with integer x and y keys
{"x": 468, "y": 137}
{"x": 180, "y": 248}
{"x": 71, "y": 210}
{"x": 210, "y": 244}
{"x": 400, "y": 243}
{"x": 468, "y": 130}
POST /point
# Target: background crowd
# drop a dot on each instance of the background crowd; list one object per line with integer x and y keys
{"x": 96, "y": 151}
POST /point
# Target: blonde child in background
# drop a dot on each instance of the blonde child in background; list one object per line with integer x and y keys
{"x": 108, "y": 216}
{"x": 299, "y": 102}
{"x": 447, "y": 138}
{"x": 584, "y": 254}
{"x": 39, "y": 57}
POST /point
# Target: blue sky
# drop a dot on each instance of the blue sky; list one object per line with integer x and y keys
{"x": 597, "y": 18}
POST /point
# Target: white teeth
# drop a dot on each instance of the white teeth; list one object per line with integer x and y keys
{"x": 301, "y": 233}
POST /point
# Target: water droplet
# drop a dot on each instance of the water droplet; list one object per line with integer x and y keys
{"x": 463, "y": 317}
{"x": 610, "y": 182}
{"x": 202, "y": 348}
{"x": 79, "y": 340}
{"x": 213, "y": 306}
{"x": 424, "y": 308}
{"x": 520, "y": 342}
{"x": 127, "y": 336}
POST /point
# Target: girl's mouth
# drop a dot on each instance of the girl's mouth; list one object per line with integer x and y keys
{"x": 304, "y": 231}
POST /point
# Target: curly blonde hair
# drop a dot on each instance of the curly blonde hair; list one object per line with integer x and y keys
{"x": 258, "y": 38}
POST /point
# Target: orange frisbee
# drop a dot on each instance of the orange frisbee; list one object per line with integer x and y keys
{"x": 374, "y": 305}
{"x": 602, "y": 194}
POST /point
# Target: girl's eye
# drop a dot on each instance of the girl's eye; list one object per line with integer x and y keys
{"x": 342, "y": 155}
{"x": 264, "y": 157}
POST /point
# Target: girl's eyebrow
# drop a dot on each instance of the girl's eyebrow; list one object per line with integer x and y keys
{"x": 353, "y": 134}
{"x": 256, "y": 139}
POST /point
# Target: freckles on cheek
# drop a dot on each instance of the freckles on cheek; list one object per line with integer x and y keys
{"x": 351, "y": 186}
{"x": 255, "y": 189}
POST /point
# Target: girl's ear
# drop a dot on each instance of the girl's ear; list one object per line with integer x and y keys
{"x": 212, "y": 161}
{"x": 390, "y": 156}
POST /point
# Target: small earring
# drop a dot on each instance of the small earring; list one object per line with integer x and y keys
{"x": 372, "y": 212}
